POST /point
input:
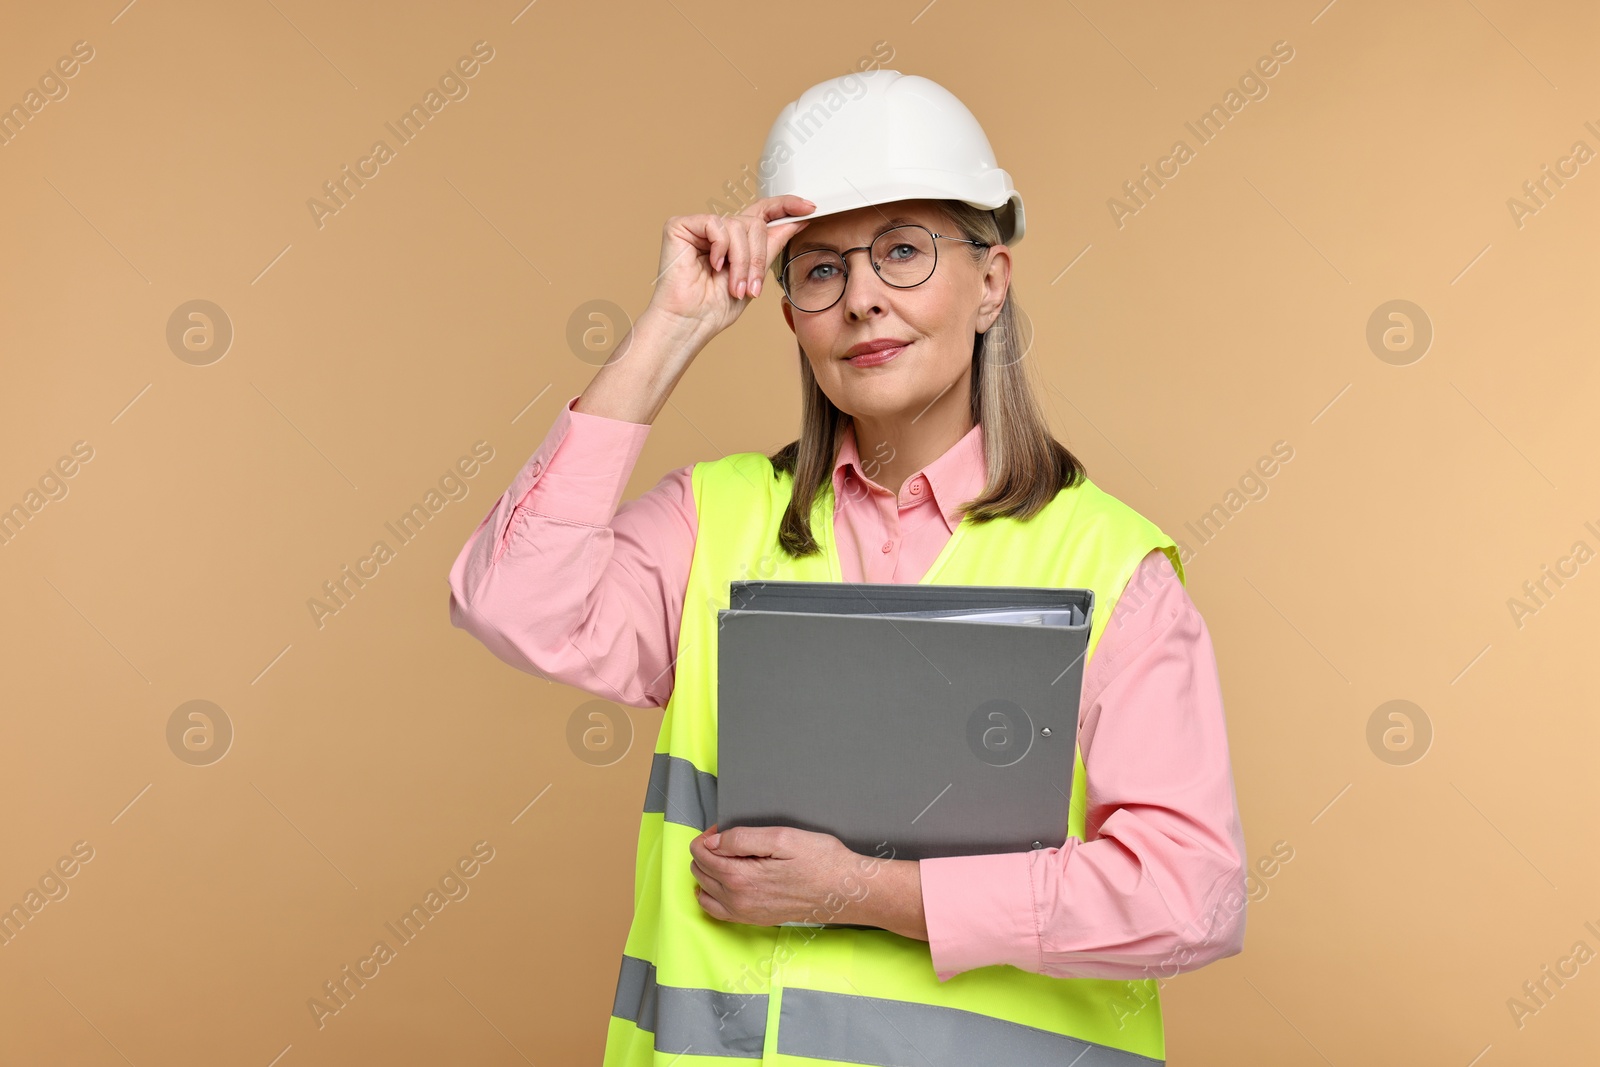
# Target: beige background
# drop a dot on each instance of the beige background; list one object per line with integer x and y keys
{"x": 432, "y": 312}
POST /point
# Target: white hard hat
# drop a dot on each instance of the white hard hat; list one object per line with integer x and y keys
{"x": 880, "y": 136}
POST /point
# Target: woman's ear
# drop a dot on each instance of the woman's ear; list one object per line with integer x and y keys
{"x": 996, "y": 283}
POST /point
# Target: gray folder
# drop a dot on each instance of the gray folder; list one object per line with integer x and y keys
{"x": 890, "y": 717}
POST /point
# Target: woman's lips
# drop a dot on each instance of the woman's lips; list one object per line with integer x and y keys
{"x": 872, "y": 359}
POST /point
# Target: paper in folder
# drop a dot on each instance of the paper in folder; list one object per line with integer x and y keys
{"x": 907, "y": 720}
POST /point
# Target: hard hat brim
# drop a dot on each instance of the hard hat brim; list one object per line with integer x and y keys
{"x": 1008, "y": 212}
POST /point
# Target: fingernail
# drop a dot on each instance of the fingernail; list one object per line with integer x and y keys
{"x": 711, "y": 842}
{"x": 755, "y": 290}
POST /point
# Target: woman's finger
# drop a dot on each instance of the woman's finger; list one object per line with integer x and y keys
{"x": 758, "y": 256}
{"x": 712, "y": 906}
{"x": 691, "y": 230}
{"x": 706, "y": 881}
{"x": 738, "y": 256}
{"x": 718, "y": 235}
{"x": 776, "y": 207}
{"x": 778, "y": 233}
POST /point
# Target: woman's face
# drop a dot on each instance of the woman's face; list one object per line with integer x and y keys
{"x": 939, "y": 318}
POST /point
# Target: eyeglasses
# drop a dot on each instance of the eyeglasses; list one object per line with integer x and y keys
{"x": 903, "y": 257}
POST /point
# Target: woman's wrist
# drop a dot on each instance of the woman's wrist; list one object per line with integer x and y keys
{"x": 641, "y": 373}
{"x": 684, "y": 334}
{"x": 893, "y": 900}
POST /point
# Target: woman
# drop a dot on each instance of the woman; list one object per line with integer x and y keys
{"x": 923, "y": 456}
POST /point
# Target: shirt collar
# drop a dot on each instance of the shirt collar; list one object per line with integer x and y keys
{"x": 956, "y": 476}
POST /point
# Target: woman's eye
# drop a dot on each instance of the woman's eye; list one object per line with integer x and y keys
{"x": 819, "y": 267}
{"x": 902, "y": 252}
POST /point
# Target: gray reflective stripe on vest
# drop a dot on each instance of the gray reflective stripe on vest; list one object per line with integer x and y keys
{"x": 682, "y": 792}
{"x": 837, "y": 1026}
{"x": 693, "y": 1022}
{"x": 897, "y": 1033}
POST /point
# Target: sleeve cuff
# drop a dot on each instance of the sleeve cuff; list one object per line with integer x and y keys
{"x": 580, "y": 470}
{"x": 980, "y": 911}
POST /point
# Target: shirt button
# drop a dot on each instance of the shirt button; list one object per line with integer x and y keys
{"x": 537, "y": 467}
{"x": 916, "y": 488}
{"x": 888, "y": 546}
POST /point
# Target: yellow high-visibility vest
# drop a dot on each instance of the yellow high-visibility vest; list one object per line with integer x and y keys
{"x": 695, "y": 990}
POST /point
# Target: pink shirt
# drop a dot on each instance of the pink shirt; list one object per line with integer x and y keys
{"x": 559, "y": 580}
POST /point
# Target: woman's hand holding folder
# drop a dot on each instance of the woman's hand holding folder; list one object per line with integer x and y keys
{"x": 769, "y": 875}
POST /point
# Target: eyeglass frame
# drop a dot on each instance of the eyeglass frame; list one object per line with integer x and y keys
{"x": 844, "y": 262}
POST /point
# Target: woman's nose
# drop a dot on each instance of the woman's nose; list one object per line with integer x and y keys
{"x": 863, "y": 291}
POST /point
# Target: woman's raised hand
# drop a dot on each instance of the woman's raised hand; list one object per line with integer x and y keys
{"x": 713, "y": 265}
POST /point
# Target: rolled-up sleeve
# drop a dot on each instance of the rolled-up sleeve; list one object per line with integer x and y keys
{"x": 1158, "y": 886}
{"x": 560, "y": 580}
